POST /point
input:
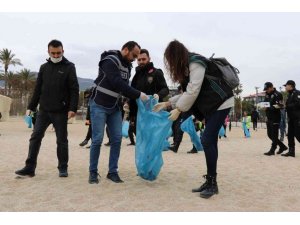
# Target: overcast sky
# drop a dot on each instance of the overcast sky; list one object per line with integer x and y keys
{"x": 263, "y": 46}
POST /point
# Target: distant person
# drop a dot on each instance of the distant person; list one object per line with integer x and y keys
{"x": 56, "y": 92}
{"x": 87, "y": 94}
{"x": 293, "y": 111}
{"x": 273, "y": 117}
{"x": 254, "y": 118}
{"x": 106, "y": 105}
{"x": 149, "y": 80}
{"x": 189, "y": 70}
{"x": 246, "y": 120}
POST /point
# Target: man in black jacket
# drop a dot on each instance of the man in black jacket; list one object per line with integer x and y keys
{"x": 273, "y": 117}
{"x": 149, "y": 80}
{"x": 254, "y": 118}
{"x": 105, "y": 105}
{"x": 293, "y": 110}
{"x": 57, "y": 93}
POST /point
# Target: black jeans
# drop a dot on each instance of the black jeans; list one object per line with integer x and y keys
{"x": 177, "y": 132}
{"x": 273, "y": 131}
{"x": 43, "y": 120}
{"x": 293, "y": 132}
{"x": 89, "y": 133}
{"x": 131, "y": 131}
{"x": 209, "y": 139}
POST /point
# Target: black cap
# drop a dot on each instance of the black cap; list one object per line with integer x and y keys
{"x": 267, "y": 85}
{"x": 290, "y": 82}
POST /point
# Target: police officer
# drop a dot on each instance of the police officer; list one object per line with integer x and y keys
{"x": 273, "y": 117}
{"x": 293, "y": 111}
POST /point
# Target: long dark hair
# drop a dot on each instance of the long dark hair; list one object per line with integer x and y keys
{"x": 176, "y": 59}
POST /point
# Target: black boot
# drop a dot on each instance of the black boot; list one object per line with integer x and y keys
{"x": 211, "y": 187}
{"x": 202, "y": 187}
{"x": 291, "y": 152}
{"x": 26, "y": 171}
{"x": 282, "y": 149}
{"x": 271, "y": 152}
{"x": 175, "y": 147}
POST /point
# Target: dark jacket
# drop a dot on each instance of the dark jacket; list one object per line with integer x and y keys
{"x": 113, "y": 77}
{"x": 57, "y": 88}
{"x": 254, "y": 116}
{"x": 275, "y": 98}
{"x": 293, "y": 105}
{"x": 149, "y": 80}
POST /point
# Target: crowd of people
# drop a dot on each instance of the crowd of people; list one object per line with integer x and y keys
{"x": 57, "y": 92}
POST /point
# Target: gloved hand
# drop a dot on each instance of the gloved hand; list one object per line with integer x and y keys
{"x": 143, "y": 97}
{"x": 155, "y": 96}
{"x": 160, "y": 106}
{"x": 28, "y": 112}
{"x": 174, "y": 114}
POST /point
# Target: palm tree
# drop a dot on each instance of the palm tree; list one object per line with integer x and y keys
{"x": 27, "y": 80}
{"x": 11, "y": 81}
{"x": 7, "y": 58}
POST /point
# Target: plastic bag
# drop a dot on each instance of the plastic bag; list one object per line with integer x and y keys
{"x": 125, "y": 128}
{"x": 28, "y": 121}
{"x": 222, "y": 132}
{"x": 189, "y": 127}
{"x": 151, "y": 133}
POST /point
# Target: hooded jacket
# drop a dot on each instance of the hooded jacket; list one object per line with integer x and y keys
{"x": 56, "y": 88}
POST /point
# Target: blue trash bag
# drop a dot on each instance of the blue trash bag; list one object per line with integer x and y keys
{"x": 166, "y": 142}
{"x": 151, "y": 133}
{"x": 125, "y": 128}
{"x": 246, "y": 131}
{"x": 222, "y": 132}
{"x": 28, "y": 121}
{"x": 189, "y": 127}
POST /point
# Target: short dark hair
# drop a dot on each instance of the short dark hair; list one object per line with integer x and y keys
{"x": 130, "y": 45}
{"x": 55, "y": 43}
{"x": 144, "y": 51}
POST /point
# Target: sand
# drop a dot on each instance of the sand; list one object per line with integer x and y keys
{"x": 248, "y": 180}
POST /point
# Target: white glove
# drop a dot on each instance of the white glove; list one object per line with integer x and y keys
{"x": 174, "y": 114}
{"x": 28, "y": 112}
{"x": 160, "y": 106}
{"x": 143, "y": 97}
{"x": 155, "y": 96}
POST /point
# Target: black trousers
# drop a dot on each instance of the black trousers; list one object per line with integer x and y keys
{"x": 273, "y": 131}
{"x": 293, "y": 132}
{"x": 254, "y": 125}
{"x": 89, "y": 133}
{"x": 131, "y": 131}
{"x": 177, "y": 132}
{"x": 43, "y": 120}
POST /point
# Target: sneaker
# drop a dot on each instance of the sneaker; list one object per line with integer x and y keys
{"x": 63, "y": 172}
{"x": 26, "y": 171}
{"x": 192, "y": 151}
{"x": 130, "y": 144}
{"x": 83, "y": 143}
{"x": 114, "y": 177}
{"x": 107, "y": 144}
{"x": 93, "y": 178}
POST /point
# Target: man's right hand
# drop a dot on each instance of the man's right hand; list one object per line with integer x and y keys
{"x": 144, "y": 97}
{"x": 28, "y": 112}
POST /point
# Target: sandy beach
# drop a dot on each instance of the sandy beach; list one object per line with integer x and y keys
{"x": 248, "y": 180}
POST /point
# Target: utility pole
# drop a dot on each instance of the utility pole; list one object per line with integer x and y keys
{"x": 256, "y": 97}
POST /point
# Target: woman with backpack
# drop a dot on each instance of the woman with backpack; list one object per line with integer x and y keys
{"x": 207, "y": 96}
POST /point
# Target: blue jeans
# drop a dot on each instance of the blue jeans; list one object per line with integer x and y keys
{"x": 209, "y": 139}
{"x": 113, "y": 118}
